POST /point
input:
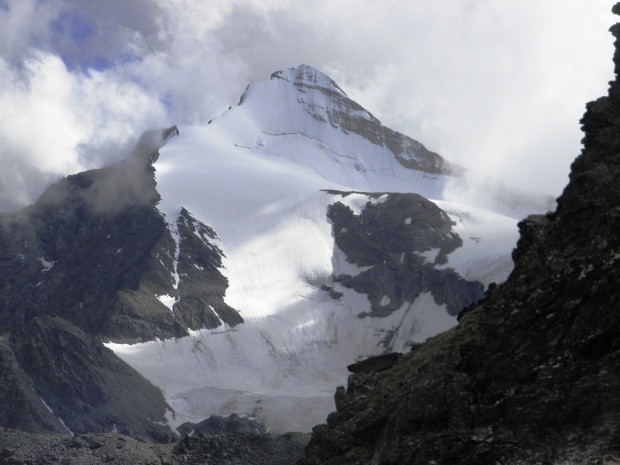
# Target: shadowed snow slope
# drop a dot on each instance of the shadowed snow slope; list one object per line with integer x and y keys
{"x": 263, "y": 175}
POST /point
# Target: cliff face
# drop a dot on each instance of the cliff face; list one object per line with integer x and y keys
{"x": 385, "y": 239}
{"x": 95, "y": 251}
{"x": 532, "y": 373}
{"x": 94, "y": 260}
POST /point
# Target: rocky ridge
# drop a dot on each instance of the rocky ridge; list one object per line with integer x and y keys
{"x": 350, "y": 117}
{"x": 93, "y": 260}
{"x": 532, "y": 373}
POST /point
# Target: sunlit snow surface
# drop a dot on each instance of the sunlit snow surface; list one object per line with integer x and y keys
{"x": 257, "y": 175}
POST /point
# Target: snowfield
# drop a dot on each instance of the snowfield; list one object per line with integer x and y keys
{"x": 258, "y": 175}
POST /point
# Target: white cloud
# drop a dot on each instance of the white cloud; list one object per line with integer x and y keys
{"x": 54, "y": 122}
{"x": 496, "y": 85}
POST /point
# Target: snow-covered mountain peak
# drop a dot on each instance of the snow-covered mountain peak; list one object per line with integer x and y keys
{"x": 308, "y": 77}
{"x": 323, "y": 99}
{"x": 303, "y": 102}
{"x": 329, "y": 247}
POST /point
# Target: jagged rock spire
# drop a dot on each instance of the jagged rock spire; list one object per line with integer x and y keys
{"x": 591, "y": 184}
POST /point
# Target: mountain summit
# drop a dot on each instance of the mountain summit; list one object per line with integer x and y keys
{"x": 304, "y": 90}
{"x": 307, "y": 76}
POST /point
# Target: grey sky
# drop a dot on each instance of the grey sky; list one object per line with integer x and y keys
{"x": 496, "y": 85}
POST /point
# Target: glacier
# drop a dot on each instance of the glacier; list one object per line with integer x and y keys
{"x": 263, "y": 175}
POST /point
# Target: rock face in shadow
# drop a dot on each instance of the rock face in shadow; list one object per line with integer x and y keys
{"x": 95, "y": 251}
{"x": 532, "y": 373}
{"x": 84, "y": 384}
{"x": 388, "y": 240}
{"x": 94, "y": 260}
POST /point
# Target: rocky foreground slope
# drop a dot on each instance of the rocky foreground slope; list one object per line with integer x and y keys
{"x": 242, "y": 448}
{"x": 532, "y": 373}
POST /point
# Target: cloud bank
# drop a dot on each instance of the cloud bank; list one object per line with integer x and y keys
{"x": 495, "y": 85}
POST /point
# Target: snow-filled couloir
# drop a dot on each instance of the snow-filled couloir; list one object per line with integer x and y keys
{"x": 329, "y": 255}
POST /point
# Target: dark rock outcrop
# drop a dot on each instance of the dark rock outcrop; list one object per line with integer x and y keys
{"x": 376, "y": 363}
{"x": 95, "y": 251}
{"x": 532, "y": 373}
{"x": 389, "y": 238}
{"x": 89, "y": 262}
{"x": 216, "y": 425}
{"x": 202, "y": 286}
{"x": 84, "y": 384}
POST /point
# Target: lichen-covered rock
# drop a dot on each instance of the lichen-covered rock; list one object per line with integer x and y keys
{"x": 532, "y": 373}
{"x": 19, "y": 448}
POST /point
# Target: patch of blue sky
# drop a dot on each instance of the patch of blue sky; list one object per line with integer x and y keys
{"x": 98, "y": 63}
{"x": 167, "y": 102}
{"x": 128, "y": 57}
{"x": 74, "y": 25}
{"x": 101, "y": 63}
{"x": 85, "y": 65}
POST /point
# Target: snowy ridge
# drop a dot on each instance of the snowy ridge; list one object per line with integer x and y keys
{"x": 259, "y": 175}
{"x": 486, "y": 235}
{"x": 307, "y": 76}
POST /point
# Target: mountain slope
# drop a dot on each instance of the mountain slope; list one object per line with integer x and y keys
{"x": 532, "y": 373}
{"x": 94, "y": 250}
{"x": 78, "y": 265}
{"x": 239, "y": 267}
{"x": 268, "y": 176}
